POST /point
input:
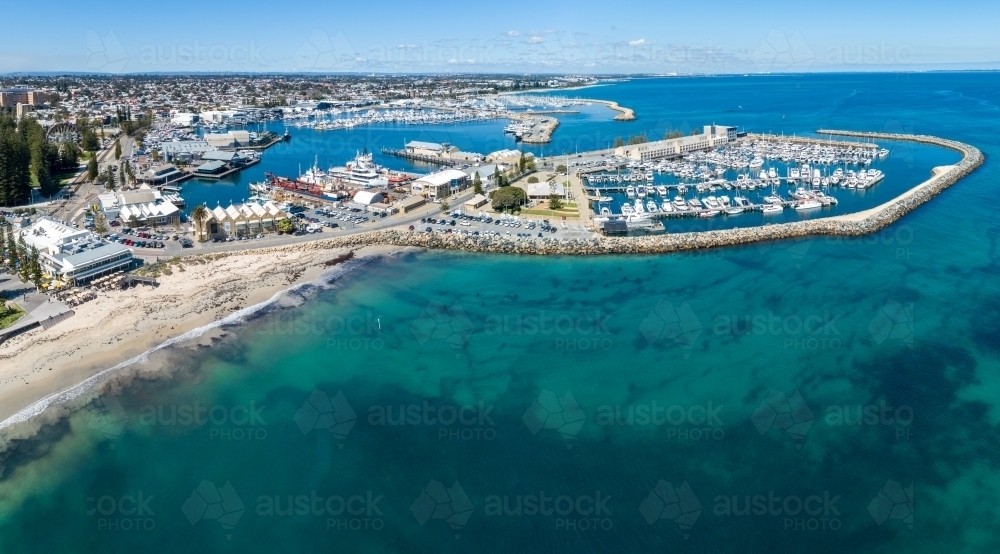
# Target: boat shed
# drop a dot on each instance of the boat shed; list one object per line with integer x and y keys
{"x": 614, "y": 228}
{"x": 210, "y": 168}
{"x": 366, "y": 198}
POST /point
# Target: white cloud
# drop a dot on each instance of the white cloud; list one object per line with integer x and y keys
{"x": 639, "y": 42}
{"x": 536, "y": 40}
{"x": 513, "y": 34}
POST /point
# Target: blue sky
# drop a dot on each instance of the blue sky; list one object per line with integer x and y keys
{"x": 584, "y": 36}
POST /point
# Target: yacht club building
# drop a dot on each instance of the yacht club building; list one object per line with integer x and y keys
{"x": 712, "y": 136}
{"x": 441, "y": 184}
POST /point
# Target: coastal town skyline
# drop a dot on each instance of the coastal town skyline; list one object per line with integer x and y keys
{"x": 522, "y": 38}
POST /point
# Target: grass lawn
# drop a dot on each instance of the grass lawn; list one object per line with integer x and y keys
{"x": 568, "y": 210}
{"x": 10, "y": 317}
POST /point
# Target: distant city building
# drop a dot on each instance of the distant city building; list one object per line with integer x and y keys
{"x": 11, "y": 97}
{"x": 74, "y": 254}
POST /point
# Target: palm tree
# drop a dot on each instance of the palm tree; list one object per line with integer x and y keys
{"x": 199, "y": 215}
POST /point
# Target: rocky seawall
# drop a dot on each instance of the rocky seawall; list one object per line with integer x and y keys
{"x": 851, "y": 225}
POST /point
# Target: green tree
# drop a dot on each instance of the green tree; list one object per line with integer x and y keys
{"x": 15, "y": 164}
{"x": 532, "y": 179}
{"x": 285, "y": 226}
{"x": 34, "y": 267}
{"x": 118, "y": 149}
{"x": 200, "y": 216}
{"x": 445, "y": 206}
{"x": 23, "y": 267}
{"x": 89, "y": 141}
{"x": 92, "y": 169}
{"x": 477, "y": 184}
{"x": 508, "y": 198}
{"x": 560, "y": 168}
{"x": 100, "y": 223}
{"x": 133, "y": 221}
{"x": 555, "y": 201}
{"x": 619, "y": 142}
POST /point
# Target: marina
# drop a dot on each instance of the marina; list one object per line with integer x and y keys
{"x": 754, "y": 174}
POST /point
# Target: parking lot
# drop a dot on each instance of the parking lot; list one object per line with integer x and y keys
{"x": 507, "y": 226}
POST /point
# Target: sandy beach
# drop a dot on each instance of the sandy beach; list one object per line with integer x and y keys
{"x": 121, "y": 325}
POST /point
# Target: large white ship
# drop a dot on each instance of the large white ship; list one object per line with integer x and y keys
{"x": 361, "y": 171}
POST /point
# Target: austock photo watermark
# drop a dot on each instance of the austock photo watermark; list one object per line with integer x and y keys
{"x": 695, "y": 422}
{"x": 106, "y": 53}
{"x": 586, "y": 331}
{"x": 353, "y": 331}
{"x": 128, "y": 513}
{"x": 236, "y": 422}
{"x": 321, "y": 412}
{"x": 790, "y": 415}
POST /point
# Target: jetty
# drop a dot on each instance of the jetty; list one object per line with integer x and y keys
{"x": 418, "y": 157}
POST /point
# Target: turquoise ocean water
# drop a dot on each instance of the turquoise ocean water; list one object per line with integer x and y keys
{"x": 819, "y": 395}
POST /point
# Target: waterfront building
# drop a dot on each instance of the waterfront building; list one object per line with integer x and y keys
{"x": 441, "y": 184}
{"x": 184, "y": 150}
{"x": 161, "y": 175}
{"x": 213, "y": 167}
{"x": 242, "y": 220}
{"x": 431, "y": 149}
{"x": 231, "y": 139}
{"x": 710, "y": 137}
{"x": 147, "y": 205}
{"x": 73, "y": 254}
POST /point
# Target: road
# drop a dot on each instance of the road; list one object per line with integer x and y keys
{"x": 398, "y": 221}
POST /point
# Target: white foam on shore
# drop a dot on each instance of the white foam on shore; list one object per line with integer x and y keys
{"x": 324, "y": 280}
